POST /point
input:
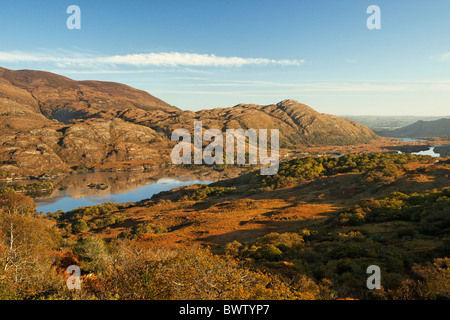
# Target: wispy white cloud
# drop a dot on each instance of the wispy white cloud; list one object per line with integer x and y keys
{"x": 193, "y": 59}
{"x": 444, "y": 57}
{"x": 20, "y": 56}
{"x": 337, "y": 86}
{"x": 164, "y": 59}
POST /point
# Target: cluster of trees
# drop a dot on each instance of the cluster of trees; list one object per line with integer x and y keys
{"x": 411, "y": 252}
{"x": 341, "y": 261}
{"x": 431, "y": 210}
{"x": 32, "y": 189}
{"x": 88, "y": 218}
{"x": 377, "y": 167}
{"x": 27, "y": 248}
{"x": 142, "y": 229}
{"x": 326, "y": 139}
{"x": 307, "y": 264}
{"x": 190, "y": 273}
{"x": 206, "y": 191}
{"x": 89, "y": 210}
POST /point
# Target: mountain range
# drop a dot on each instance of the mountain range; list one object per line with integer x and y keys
{"x": 421, "y": 129}
{"x": 52, "y": 124}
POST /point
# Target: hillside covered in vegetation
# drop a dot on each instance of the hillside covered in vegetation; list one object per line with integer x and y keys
{"x": 308, "y": 232}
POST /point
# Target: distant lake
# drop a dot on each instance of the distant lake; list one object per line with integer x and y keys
{"x": 72, "y": 191}
{"x": 409, "y": 139}
{"x": 429, "y": 152}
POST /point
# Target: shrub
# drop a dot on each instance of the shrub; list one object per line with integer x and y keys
{"x": 435, "y": 279}
{"x": 92, "y": 254}
{"x": 207, "y": 191}
{"x": 232, "y": 248}
{"x": 146, "y": 228}
{"x": 79, "y": 226}
{"x": 352, "y": 235}
{"x": 282, "y": 241}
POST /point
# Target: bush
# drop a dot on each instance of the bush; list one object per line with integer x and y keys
{"x": 207, "y": 191}
{"x": 435, "y": 279}
{"x": 193, "y": 274}
{"x": 232, "y": 248}
{"x": 92, "y": 254}
{"x": 429, "y": 208}
{"x": 282, "y": 241}
{"x": 146, "y": 228}
{"x": 97, "y": 209}
{"x": 79, "y": 226}
{"x": 108, "y": 220}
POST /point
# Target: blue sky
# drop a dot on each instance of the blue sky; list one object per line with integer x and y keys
{"x": 199, "y": 54}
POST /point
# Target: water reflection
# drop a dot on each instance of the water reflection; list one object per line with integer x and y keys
{"x": 429, "y": 152}
{"x": 72, "y": 191}
{"x": 410, "y": 139}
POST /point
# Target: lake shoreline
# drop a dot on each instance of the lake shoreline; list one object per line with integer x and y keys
{"x": 75, "y": 185}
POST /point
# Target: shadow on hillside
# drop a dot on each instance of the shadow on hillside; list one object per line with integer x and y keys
{"x": 263, "y": 227}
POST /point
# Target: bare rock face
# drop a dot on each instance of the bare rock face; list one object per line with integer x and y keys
{"x": 96, "y": 140}
{"x": 29, "y": 155}
{"x": 52, "y": 124}
{"x": 87, "y": 144}
{"x": 298, "y": 123}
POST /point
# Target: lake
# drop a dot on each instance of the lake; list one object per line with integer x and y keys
{"x": 409, "y": 139}
{"x": 429, "y": 152}
{"x": 72, "y": 191}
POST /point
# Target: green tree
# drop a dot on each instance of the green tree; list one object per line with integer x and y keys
{"x": 93, "y": 255}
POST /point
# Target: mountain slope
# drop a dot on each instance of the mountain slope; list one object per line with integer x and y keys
{"x": 298, "y": 123}
{"x": 50, "y": 124}
{"x": 421, "y": 129}
{"x": 64, "y": 99}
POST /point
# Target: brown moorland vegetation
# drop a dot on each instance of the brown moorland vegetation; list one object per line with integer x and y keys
{"x": 308, "y": 232}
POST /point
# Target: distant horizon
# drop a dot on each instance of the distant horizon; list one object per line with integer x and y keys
{"x": 393, "y": 116}
{"x": 271, "y": 103}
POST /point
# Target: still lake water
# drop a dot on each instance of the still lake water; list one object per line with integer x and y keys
{"x": 73, "y": 192}
{"x": 429, "y": 152}
{"x": 409, "y": 139}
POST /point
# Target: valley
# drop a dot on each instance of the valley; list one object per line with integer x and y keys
{"x": 87, "y": 179}
{"x": 390, "y": 209}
